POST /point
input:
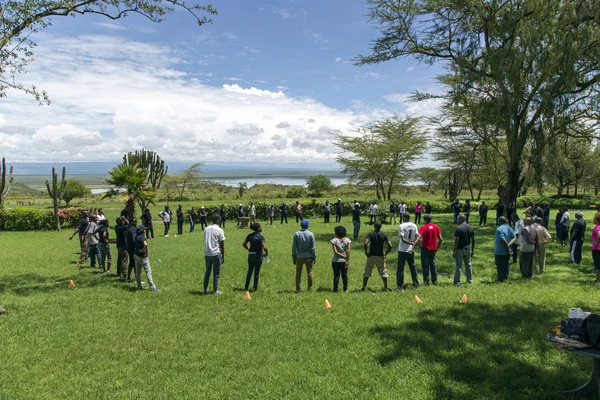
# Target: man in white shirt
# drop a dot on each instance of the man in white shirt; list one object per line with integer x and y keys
{"x": 166, "y": 217}
{"x": 402, "y": 207}
{"x": 252, "y": 213}
{"x": 373, "y": 208}
{"x": 408, "y": 233}
{"x": 214, "y": 253}
{"x": 565, "y": 223}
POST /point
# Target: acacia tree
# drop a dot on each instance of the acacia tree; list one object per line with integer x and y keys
{"x": 74, "y": 189}
{"x": 188, "y": 177}
{"x": 382, "y": 153}
{"x": 510, "y": 65}
{"x": 21, "y": 19}
{"x": 318, "y": 184}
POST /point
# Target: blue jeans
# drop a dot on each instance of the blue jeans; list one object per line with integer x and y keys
{"x": 192, "y": 223}
{"x": 455, "y": 217}
{"x": 213, "y": 264}
{"x": 459, "y": 256}
{"x": 356, "y": 229}
{"x": 254, "y": 264}
{"x": 428, "y": 263}
{"x": 94, "y": 255}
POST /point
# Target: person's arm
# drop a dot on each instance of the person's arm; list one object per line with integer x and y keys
{"x": 265, "y": 248}
{"x": 145, "y": 245}
{"x": 337, "y": 252}
{"x": 472, "y": 244}
{"x": 389, "y": 243}
{"x": 313, "y": 249}
{"x": 245, "y": 244}
{"x": 455, "y": 246}
{"x": 74, "y": 233}
{"x": 222, "y": 248}
{"x": 366, "y": 247}
{"x": 294, "y": 248}
{"x": 597, "y": 241}
{"x": 348, "y": 254}
{"x": 440, "y": 240}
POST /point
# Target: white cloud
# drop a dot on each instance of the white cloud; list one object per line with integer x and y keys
{"x": 233, "y": 79}
{"x": 373, "y": 75}
{"x": 284, "y": 13}
{"x": 281, "y": 87}
{"x": 333, "y": 78}
{"x": 231, "y": 36}
{"x": 111, "y": 95}
{"x": 261, "y": 81}
{"x": 426, "y": 108}
{"x": 338, "y": 59}
{"x": 410, "y": 69}
{"x": 111, "y": 26}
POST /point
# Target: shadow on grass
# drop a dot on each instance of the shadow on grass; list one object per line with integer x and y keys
{"x": 481, "y": 351}
{"x": 26, "y": 284}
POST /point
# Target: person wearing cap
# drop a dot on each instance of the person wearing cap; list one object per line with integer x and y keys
{"x": 504, "y": 239}
{"x": 283, "y": 210}
{"x": 577, "y": 234}
{"x": 223, "y": 215}
{"x": 270, "y": 214}
{"x": 165, "y": 214}
{"x": 565, "y": 223}
{"x": 214, "y": 253}
{"x": 544, "y": 238}
{"x": 338, "y": 210}
{"x": 203, "y": 221}
{"x": 304, "y": 253}
{"x": 141, "y": 260}
{"x": 180, "y": 220}
{"x": 257, "y": 247}
{"x": 326, "y": 211}
{"x": 252, "y": 213}
{"x": 375, "y": 255}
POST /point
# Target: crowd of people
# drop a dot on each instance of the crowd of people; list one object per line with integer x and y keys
{"x": 522, "y": 240}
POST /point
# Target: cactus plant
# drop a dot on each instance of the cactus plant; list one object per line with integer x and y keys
{"x": 6, "y": 182}
{"x": 56, "y": 193}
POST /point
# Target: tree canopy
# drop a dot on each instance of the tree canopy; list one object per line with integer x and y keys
{"x": 21, "y": 19}
{"x": 318, "y": 184}
{"x": 74, "y": 189}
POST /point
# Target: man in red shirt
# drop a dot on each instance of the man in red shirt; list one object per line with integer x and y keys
{"x": 430, "y": 239}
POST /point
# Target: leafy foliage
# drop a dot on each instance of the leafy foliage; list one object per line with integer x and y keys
{"x": 319, "y": 184}
{"x": 74, "y": 189}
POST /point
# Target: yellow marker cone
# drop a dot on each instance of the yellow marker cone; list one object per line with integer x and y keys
{"x": 327, "y": 304}
{"x": 175, "y": 235}
{"x": 71, "y": 284}
{"x": 78, "y": 264}
{"x": 417, "y": 299}
{"x": 464, "y": 299}
{"x": 247, "y": 296}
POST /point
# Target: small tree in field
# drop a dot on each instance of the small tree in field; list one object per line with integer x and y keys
{"x": 319, "y": 184}
{"x": 74, "y": 189}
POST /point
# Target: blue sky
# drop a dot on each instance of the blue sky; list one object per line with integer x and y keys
{"x": 266, "y": 81}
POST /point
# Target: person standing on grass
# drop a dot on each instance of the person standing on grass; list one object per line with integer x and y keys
{"x": 81, "y": 230}
{"x": 428, "y": 209}
{"x": 180, "y": 220}
{"x": 375, "y": 255}
{"x": 304, "y": 253}
{"x": 214, "y": 253}
{"x": 467, "y": 210}
{"x": 223, "y": 215}
{"x": 511, "y": 210}
{"x": 122, "y": 255}
{"x": 338, "y": 210}
{"x": 356, "y": 222}
{"x": 546, "y": 214}
{"x": 500, "y": 210}
{"x": 326, "y": 211}
{"x": 596, "y": 246}
{"x": 147, "y": 222}
{"x": 166, "y": 218}
{"x": 577, "y": 235}
{"x": 340, "y": 262}
{"x": 504, "y": 239}
{"x": 93, "y": 241}
{"x": 270, "y": 214}
{"x": 104, "y": 245}
{"x": 529, "y": 248}
{"x": 557, "y": 225}
{"x": 402, "y": 208}
{"x": 518, "y": 224}
{"x": 418, "y": 212}
{"x": 142, "y": 261}
{"x": 464, "y": 247}
{"x": 130, "y": 236}
{"x": 252, "y": 213}
{"x": 544, "y": 238}
{"x": 393, "y": 212}
{"x": 355, "y": 204}
{"x": 100, "y": 216}
{"x": 203, "y": 218}
{"x": 256, "y": 246}
{"x": 408, "y": 233}
{"x": 373, "y": 212}
{"x": 456, "y": 210}
{"x": 240, "y": 215}
{"x": 565, "y": 223}
{"x": 298, "y": 212}
{"x": 430, "y": 239}
{"x": 283, "y": 211}
{"x": 192, "y": 214}
{"x": 483, "y": 211}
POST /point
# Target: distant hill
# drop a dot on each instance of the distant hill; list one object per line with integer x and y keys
{"x": 22, "y": 190}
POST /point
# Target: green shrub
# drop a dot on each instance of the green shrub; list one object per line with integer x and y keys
{"x": 26, "y": 219}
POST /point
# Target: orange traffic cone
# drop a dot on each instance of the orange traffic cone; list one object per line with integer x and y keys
{"x": 78, "y": 264}
{"x": 327, "y": 304}
{"x": 417, "y": 299}
{"x": 247, "y": 296}
{"x": 71, "y": 284}
{"x": 464, "y": 299}
{"x": 175, "y": 235}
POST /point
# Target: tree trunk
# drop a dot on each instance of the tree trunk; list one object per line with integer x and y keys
{"x": 513, "y": 183}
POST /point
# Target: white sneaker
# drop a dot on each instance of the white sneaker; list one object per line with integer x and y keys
{"x": 217, "y": 292}
{"x": 166, "y": 235}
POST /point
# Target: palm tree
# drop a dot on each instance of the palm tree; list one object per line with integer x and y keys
{"x": 133, "y": 179}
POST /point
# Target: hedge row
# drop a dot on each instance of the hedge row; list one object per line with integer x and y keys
{"x": 30, "y": 219}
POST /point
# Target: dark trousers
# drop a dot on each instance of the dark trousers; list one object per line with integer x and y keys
{"x": 338, "y": 217}
{"x": 526, "y": 260}
{"x": 223, "y": 218}
{"x": 192, "y": 225}
{"x": 514, "y": 248}
{"x": 339, "y": 268}
{"x": 203, "y": 222}
{"x": 502, "y": 265}
{"x": 167, "y": 226}
{"x": 467, "y": 215}
{"x": 254, "y": 264}
{"x": 179, "y": 227}
{"x": 417, "y": 218}
{"x": 372, "y": 219}
{"x": 564, "y": 234}
{"x": 498, "y": 217}
{"x": 575, "y": 251}
{"x": 213, "y": 265}
{"x": 356, "y": 229}
{"x": 149, "y": 231}
{"x": 455, "y": 217}
{"x": 428, "y": 264}
{"x": 131, "y": 266}
{"x": 94, "y": 255}
{"x": 326, "y": 217}
{"x": 298, "y": 218}
{"x": 409, "y": 258}
{"x": 483, "y": 219}
{"x": 122, "y": 257}
{"x": 284, "y": 216}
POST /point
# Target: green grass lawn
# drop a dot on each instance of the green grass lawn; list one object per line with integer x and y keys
{"x": 106, "y": 340}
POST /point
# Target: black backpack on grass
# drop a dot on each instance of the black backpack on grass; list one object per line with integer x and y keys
{"x": 591, "y": 327}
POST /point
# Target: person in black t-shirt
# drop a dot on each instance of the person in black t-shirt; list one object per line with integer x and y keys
{"x": 147, "y": 222}
{"x": 577, "y": 236}
{"x": 256, "y": 246}
{"x": 130, "y": 236}
{"x": 483, "y": 211}
{"x": 375, "y": 255}
{"x": 223, "y": 215}
{"x": 141, "y": 260}
{"x": 467, "y": 210}
{"x": 203, "y": 221}
{"x": 356, "y": 221}
{"x": 428, "y": 208}
{"x": 500, "y": 212}
{"x": 338, "y": 210}
{"x": 464, "y": 246}
{"x": 456, "y": 209}
{"x": 104, "y": 246}
{"x": 510, "y": 210}
{"x": 180, "y": 220}
{"x": 81, "y": 229}
{"x": 122, "y": 255}
{"x": 283, "y": 210}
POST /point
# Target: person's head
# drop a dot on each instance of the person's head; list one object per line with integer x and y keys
{"x": 527, "y": 221}
{"x": 405, "y": 217}
{"x": 216, "y": 219}
{"x": 326, "y": 201}
{"x": 304, "y": 224}
{"x": 418, "y": 203}
{"x": 340, "y": 231}
{"x": 377, "y": 226}
{"x": 456, "y": 201}
{"x": 166, "y": 207}
{"x": 461, "y": 219}
{"x": 251, "y": 203}
{"x": 297, "y": 202}
{"x": 563, "y": 208}
{"x": 339, "y": 199}
{"x": 147, "y": 211}
{"x": 93, "y": 218}
{"x": 179, "y": 207}
{"x": 100, "y": 211}
{"x": 84, "y": 214}
{"x": 222, "y": 205}
{"x": 355, "y": 201}
{"x": 597, "y": 218}
{"x": 483, "y": 203}
{"x": 140, "y": 229}
{"x": 515, "y": 217}
{"x": 511, "y": 204}
{"x": 133, "y": 221}
{"x": 427, "y": 218}
{"x": 579, "y": 214}
{"x": 241, "y": 205}
{"x": 427, "y": 203}
{"x": 468, "y": 201}
{"x": 502, "y": 220}
{"x": 202, "y": 208}
{"x": 256, "y": 227}
{"x": 193, "y": 208}
{"x": 538, "y": 220}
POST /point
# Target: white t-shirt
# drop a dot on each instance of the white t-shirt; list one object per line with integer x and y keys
{"x": 407, "y": 231}
{"x": 165, "y": 216}
{"x": 402, "y": 208}
{"x": 519, "y": 225}
{"x": 374, "y": 209}
{"x": 252, "y": 210}
{"x": 213, "y": 235}
{"x": 565, "y": 219}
